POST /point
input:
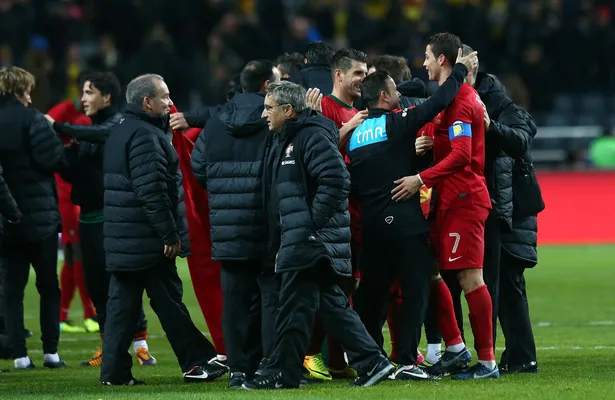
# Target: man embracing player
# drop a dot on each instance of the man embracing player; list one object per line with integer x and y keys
{"x": 463, "y": 205}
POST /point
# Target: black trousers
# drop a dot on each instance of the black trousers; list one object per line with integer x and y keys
{"x": 302, "y": 294}
{"x": 269, "y": 284}
{"x": 241, "y": 314}
{"x": 16, "y": 257}
{"x": 515, "y": 315}
{"x": 408, "y": 260}
{"x": 96, "y": 275}
{"x": 164, "y": 288}
{"x": 491, "y": 276}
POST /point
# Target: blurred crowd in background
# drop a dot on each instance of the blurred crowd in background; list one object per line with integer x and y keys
{"x": 553, "y": 55}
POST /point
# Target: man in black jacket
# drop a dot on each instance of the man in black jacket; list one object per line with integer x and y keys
{"x": 30, "y": 153}
{"x": 395, "y": 234}
{"x": 305, "y": 192}
{"x": 227, "y": 160}
{"x": 519, "y": 253}
{"x": 101, "y": 92}
{"x": 145, "y": 230}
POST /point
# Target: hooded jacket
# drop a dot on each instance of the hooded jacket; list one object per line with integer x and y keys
{"x": 315, "y": 76}
{"x": 306, "y": 187}
{"x": 143, "y": 200}
{"x": 508, "y": 138}
{"x": 227, "y": 161}
{"x": 30, "y": 153}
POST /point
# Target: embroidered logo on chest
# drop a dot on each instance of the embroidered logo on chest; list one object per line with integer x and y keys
{"x": 288, "y": 153}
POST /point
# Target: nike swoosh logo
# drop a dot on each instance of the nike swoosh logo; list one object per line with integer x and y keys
{"x": 370, "y": 373}
{"x": 454, "y": 259}
{"x": 278, "y": 385}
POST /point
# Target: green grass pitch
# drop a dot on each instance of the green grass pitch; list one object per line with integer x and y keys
{"x": 572, "y": 302}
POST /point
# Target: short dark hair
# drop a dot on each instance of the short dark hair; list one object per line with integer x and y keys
{"x": 343, "y": 59}
{"x": 446, "y": 44}
{"x": 467, "y": 50}
{"x": 372, "y": 86}
{"x": 396, "y": 67}
{"x": 234, "y": 87}
{"x": 319, "y": 53}
{"x": 289, "y": 63}
{"x": 255, "y": 74}
{"x": 106, "y": 82}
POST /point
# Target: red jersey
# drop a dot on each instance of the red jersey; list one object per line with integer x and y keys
{"x": 459, "y": 154}
{"x": 68, "y": 111}
{"x": 338, "y": 112}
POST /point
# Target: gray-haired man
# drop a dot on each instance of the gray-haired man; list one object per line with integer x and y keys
{"x": 306, "y": 187}
{"x": 145, "y": 230}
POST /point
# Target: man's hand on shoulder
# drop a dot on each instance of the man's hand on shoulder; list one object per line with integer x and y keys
{"x": 356, "y": 120}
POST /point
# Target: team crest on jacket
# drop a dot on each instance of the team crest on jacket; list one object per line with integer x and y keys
{"x": 288, "y": 154}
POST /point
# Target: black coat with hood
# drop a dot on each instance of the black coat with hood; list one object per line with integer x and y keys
{"x": 306, "y": 187}
{"x": 227, "y": 160}
{"x": 30, "y": 153}
{"x": 315, "y": 76}
{"x": 508, "y": 138}
{"x": 412, "y": 93}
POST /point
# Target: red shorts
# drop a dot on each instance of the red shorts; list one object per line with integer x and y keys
{"x": 458, "y": 237}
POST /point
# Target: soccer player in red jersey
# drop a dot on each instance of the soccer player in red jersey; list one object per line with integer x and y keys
{"x": 463, "y": 205}
{"x": 348, "y": 67}
{"x": 71, "y": 275}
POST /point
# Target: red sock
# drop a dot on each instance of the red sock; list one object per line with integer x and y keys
{"x": 479, "y": 303}
{"x": 86, "y": 302}
{"x": 447, "y": 323}
{"x": 318, "y": 338}
{"x": 393, "y": 317}
{"x": 139, "y": 336}
{"x": 336, "y": 354}
{"x": 67, "y": 287}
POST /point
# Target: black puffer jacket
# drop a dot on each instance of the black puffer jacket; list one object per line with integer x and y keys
{"x": 30, "y": 153}
{"x": 8, "y": 205}
{"x": 315, "y": 76}
{"x": 85, "y": 158}
{"x": 306, "y": 187}
{"x": 508, "y": 138}
{"x": 227, "y": 160}
{"x": 144, "y": 208}
{"x": 521, "y": 242}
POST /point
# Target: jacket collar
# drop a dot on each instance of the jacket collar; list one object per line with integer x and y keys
{"x": 103, "y": 114}
{"x": 377, "y": 112}
{"x": 8, "y": 99}
{"x": 159, "y": 121}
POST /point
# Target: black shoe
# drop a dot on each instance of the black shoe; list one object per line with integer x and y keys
{"x": 380, "y": 370}
{"x": 527, "y": 368}
{"x": 236, "y": 379}
{"x": 413, "y": 373}
{"x": 267, "y": 383}
{"x": 131, "y": 382}
{"x": 30, "y": 366}
{"x": 51, "y": 364}
{"x": 261, "y": 366}
{"x": 206, "y": 373}
{"x": 218, "y": 363}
